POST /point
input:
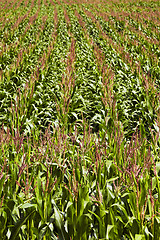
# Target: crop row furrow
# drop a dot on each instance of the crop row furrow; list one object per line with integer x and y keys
{"x": 28, "y": 62}
{"x": 136, "y": 47}
{"x": 124, "y": 82}
{"x": 87, "y": 80}
{"x": 47, "y": 90}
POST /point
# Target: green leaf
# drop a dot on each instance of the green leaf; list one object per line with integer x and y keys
{"x": 3, "y": 221}
{"x": 19, "y": 224}
{"x": 158, "y": 168}
{"x": 2, "y": 180}
{"x": 109, "y": 230}
{"x": 139, "y": 237}
{"x": 59, "y": 224}
{"x": 27, "y": 205}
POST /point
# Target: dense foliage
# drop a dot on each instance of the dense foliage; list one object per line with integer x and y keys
{"x": 79, "y": 119}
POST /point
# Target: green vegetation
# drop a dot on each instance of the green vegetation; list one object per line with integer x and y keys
{"x": 79, "y": 120}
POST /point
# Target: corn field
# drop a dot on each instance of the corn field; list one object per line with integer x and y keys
{"x": 79, "y": 119}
